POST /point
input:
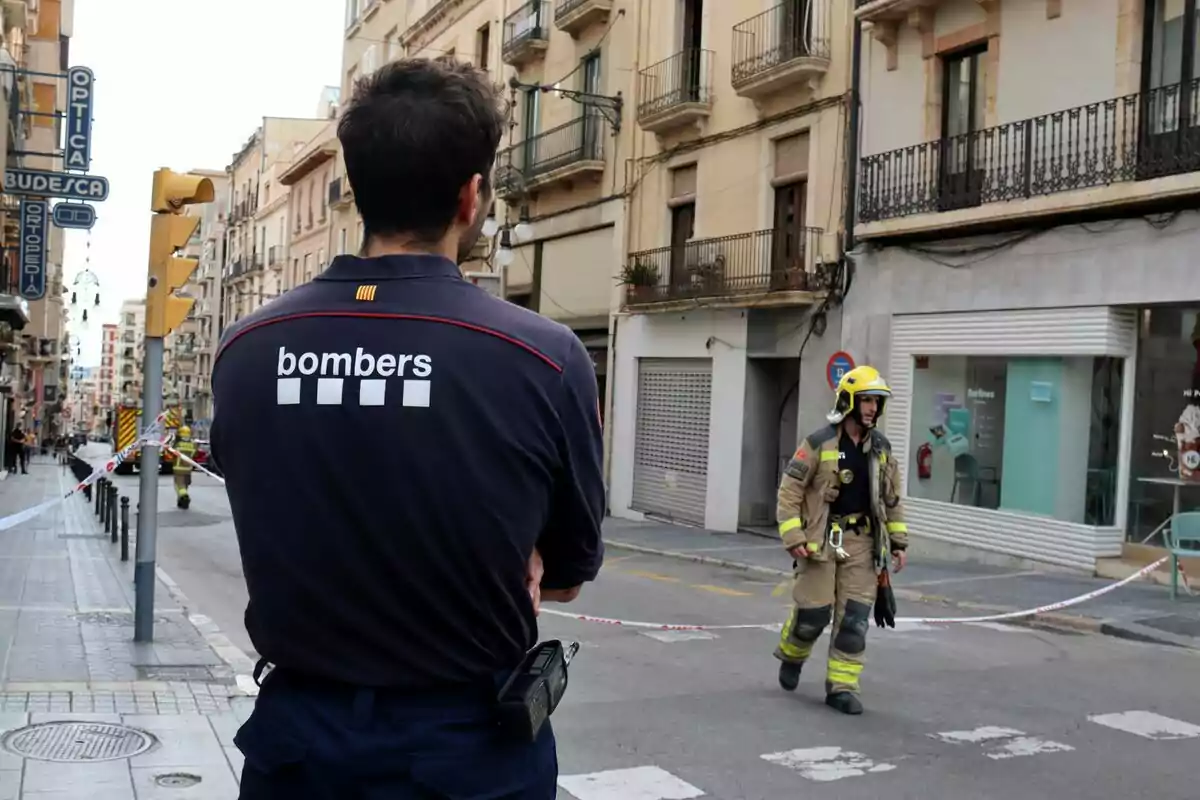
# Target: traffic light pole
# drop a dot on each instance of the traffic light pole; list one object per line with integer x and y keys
{"x": 147, "y": 519}
{"x": 165, "y": 311}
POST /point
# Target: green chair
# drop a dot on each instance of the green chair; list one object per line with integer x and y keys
{"x": 1183, "y": 541}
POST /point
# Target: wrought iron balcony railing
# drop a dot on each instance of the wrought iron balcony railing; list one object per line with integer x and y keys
{"x": 580, "y": 140}
{"x": 684, "y": 78}
{"x": 791, "y": 30}
{"x": 1130, "y": 138}
{"x": 530, "y": 22}
{"x": 745, "y": 263}
{"x": 564, "y": 7}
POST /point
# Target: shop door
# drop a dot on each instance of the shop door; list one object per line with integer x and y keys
{"x": 670, "y": 460}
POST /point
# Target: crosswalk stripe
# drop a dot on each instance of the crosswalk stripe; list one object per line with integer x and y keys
{"x": 825, "y": 764}
{"x": 1148, "y": 725}
{"x": 637, "y": 783}
{"x": 830, "y": 763}
{"x": 1011, "y": 742}
{"x": 679, "y": 636}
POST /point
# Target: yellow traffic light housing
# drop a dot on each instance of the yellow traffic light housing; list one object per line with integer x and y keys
{"x": 172, "y": 191}
{"x": 169, "y": 233}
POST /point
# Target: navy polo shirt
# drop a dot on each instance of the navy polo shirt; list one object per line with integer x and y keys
{"x": 395, "y": 442}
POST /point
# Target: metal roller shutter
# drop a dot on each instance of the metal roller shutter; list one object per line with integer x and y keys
{"x": 670, "y": 469}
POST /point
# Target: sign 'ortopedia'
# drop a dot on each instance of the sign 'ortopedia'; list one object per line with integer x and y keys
{"x": 33, "y": 249}
{"x": 43, "y": 183}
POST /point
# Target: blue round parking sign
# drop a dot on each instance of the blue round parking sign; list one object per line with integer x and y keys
{"x": 839, "y": 364}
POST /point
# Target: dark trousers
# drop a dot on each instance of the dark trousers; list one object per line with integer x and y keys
{"x": 313, "y": 740}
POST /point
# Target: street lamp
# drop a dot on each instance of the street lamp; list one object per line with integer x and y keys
{"x": 609, "y": 106}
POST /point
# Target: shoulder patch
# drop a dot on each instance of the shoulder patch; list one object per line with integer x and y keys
{"x": 822, "y": 435}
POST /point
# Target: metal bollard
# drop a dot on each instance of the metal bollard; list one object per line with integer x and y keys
{"x": 124, "y": 528}
{"x": 112, "y": 512}
{"x": 101, "y": 494}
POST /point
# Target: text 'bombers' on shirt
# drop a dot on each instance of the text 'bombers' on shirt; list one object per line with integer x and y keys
{"x": 332, "y": 368}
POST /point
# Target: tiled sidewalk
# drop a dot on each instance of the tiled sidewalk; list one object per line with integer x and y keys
{"x": 152, "y": 721}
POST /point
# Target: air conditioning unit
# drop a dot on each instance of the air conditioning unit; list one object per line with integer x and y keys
{"x": 488, "y": 281}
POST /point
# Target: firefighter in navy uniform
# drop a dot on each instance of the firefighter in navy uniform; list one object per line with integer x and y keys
{"x": 840, "y": 518}
{"x": 413, "y": 465}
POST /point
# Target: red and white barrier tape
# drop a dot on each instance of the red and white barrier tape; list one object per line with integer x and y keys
{"x": 194, "y": 464}
{"x": 1031, "y": 612}
{"x": 12, "y": 520}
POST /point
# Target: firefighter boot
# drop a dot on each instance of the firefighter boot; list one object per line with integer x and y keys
{"x": 789, "y": 675}
{"x": 844, "y": 702}
{"x": 183, "y": 501}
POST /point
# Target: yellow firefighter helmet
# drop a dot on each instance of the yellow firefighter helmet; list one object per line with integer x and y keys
{"x": 861, "y": 381}
{"x": 185, "y": 432}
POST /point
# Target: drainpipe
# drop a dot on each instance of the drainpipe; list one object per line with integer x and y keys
{"x": 627, "y": 234}
{"x": 852, "y": 136}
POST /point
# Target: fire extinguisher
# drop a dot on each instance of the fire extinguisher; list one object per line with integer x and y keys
{"x": 925, "y": 461}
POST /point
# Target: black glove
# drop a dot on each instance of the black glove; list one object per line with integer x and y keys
{"x": 885, "y": 602}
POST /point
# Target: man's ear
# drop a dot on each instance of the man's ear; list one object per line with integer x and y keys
{"x": 469, "y": 199}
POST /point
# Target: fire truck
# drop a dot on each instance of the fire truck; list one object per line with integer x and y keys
{"x": 128, "y": 425}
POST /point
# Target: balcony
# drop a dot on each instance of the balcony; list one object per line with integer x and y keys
{"x": 561, "y": 156}
{"x": 526, "y": 33}
{"x": 185, "y": 348}
{"x": 1089, "y": 158}
{"x": 340, "y": 194}
{"x": 676, "y": 92}
{"x": 736, "y": 269}
{"x": 574, "y": 16}
{"x": 781, "y": 48}
{"x": 890, "y": 10}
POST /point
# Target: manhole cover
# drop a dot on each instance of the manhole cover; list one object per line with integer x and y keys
{"x": 77, "y": 741}
{"x": 173, "y": 673}
{"x": 187, "y": 519}
{"x": 177, "y": 780}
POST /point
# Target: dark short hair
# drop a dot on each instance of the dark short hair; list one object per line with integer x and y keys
{"x": 413, "y": 134}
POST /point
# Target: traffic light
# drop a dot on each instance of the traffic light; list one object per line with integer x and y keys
{"x": 170, "y": 232}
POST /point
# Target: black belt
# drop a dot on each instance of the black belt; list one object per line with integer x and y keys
{"x": 858, "y": 522}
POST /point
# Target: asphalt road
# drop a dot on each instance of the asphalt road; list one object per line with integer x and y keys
{"x": 966, "y": 711}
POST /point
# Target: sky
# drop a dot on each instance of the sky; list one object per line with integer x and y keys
{"x": 181, "y": 84}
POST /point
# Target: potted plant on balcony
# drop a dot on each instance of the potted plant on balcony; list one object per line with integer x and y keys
{"x": 641, "y": 278}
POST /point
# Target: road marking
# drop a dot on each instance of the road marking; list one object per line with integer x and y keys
{"x": 1147, "y": 724}
{"x": 1013, "y": 743}
{"x": 970, "y": 578}
{"x": 1000, "y": 626}
{"x": 654, "y": 576}
{"x": 825, "y": 764}
{"x": 704, "y": 587}
{"x": 638, "y": 783}
{"x": 679, "y": 636}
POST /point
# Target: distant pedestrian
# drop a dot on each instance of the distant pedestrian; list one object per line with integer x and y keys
{"x": 20, "y": 451}
{"x": 413, "y": 466}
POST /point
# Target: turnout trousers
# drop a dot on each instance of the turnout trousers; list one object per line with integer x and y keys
{"x": 310, "y": 739}
{"x": 843, "y": 591}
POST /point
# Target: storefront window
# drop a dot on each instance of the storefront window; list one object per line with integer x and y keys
{"x": 1165, "y": 462}
{"x": 1030, "y": 435}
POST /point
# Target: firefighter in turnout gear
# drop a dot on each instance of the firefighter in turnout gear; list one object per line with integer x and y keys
{"x": 840, "y": 518}
{"x": 182, "y": 469}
